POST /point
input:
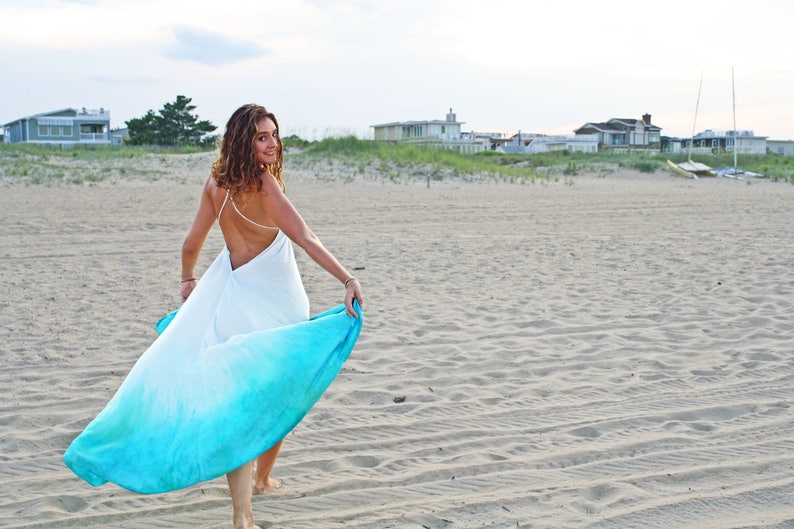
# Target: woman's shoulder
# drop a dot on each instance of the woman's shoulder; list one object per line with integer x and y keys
{"x": 211, "y": 187}
{"x": 270, "y": 184}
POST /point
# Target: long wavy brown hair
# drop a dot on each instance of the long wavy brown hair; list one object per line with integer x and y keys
{"x": 236, "y": 168}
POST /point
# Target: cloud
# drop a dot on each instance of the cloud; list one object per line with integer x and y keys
{"x": 207, "y": 47}
{"x": 109, "y": 80}
{"x": 358, "y": 5}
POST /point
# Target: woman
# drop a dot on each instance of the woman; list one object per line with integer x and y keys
{"x": 240, "y": 363}
{"x": 245, "y": 193}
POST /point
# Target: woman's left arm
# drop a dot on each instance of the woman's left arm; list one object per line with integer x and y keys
{"x": 288, "y": 220}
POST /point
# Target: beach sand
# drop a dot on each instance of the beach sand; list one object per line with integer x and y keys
{"x": 608, "y": 351}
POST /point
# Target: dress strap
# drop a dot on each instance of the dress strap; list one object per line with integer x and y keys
{"x": 223, "y": 206}
{"x": 234, "y": 205}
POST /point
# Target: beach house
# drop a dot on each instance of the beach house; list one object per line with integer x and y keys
{"x": 744, "y": 141}
{"x": 781, "y": 147}
{"x": 624, "y": 133}
{"x": 119, "y": 136}
{"x": 65, "y": 128}
{"x": 523, "y": 143}
{"x": 444, "y": 134}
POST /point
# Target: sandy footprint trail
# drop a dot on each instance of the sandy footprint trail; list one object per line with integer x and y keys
{"x": 616, "y": 353}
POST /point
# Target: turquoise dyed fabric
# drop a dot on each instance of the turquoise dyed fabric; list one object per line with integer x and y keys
{"x": 232, "y": 372}
{"x": 179, "y": 419}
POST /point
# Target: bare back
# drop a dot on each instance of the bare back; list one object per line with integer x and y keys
{"x": 247, "y": 228}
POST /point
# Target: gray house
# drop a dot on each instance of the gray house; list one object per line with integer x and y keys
{"x": 67, "y": 127}
{"x": 624, "y": 132}
{"x": 743, "y": 141}
{"x": 781, "y": 147}
{"x": 119, "y": 136}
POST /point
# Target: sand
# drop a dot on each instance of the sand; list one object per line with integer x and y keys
{"x": 606, "y": 351}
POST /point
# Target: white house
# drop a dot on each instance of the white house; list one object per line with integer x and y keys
{"x": 444, "y": 134}
{"x": 448, "y": 129}
{"x": 523, "y": 143}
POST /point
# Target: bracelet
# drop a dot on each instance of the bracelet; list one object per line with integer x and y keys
{"x": 189, "y": 279}
{"x": 350, "y": 280}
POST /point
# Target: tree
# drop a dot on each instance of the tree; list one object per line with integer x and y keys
{"x": 143, "y": 131}
{"x": 173, "y": 125}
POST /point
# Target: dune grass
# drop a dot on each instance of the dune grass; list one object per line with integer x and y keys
{"x": 349, "y": 158}
{"x": 395, "y": 160}
{"x": 35, "y": 164}
{"x": 399, "y": 160}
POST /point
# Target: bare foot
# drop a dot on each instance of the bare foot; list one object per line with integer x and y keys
{"x": 269, "y": 486}
{"x": 246, "y": 521}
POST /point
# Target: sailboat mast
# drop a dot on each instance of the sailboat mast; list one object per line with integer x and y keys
{"x": 694, "y": 121}
{"x": 735, "y": 143}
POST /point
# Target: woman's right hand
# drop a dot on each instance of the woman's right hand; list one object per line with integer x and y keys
{"x": 187, "y": 288}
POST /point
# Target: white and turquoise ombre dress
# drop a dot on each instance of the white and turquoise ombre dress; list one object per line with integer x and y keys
{"x": 238, "y": 366}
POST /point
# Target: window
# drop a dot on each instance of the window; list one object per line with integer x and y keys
{"x": 418, "y": 131}
{"x": 92, "y": 128}
{"x": 54, "y": 130}
{"x": 55, "y": 127}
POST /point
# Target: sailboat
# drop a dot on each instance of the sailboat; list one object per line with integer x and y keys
{"x": 734, "y": 172}
{"x": 690, "y": 169}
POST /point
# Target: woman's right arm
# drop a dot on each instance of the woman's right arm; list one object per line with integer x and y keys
{"x": 191, "y": 247}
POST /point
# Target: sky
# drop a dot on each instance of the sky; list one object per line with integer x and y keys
{"x": 331, "y": 68}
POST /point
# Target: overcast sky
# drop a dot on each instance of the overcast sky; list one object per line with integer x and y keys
{"x": 328, "y": 67}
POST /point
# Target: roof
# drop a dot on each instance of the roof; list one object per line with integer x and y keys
{"x": 632, "y": 122}
{"x": 101, "y": 114}
{"x": 425, "y": 122}
{"x": 601, "y": 127}
{"x": 609, "y": 126}
{"x": 41, "y": 114}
